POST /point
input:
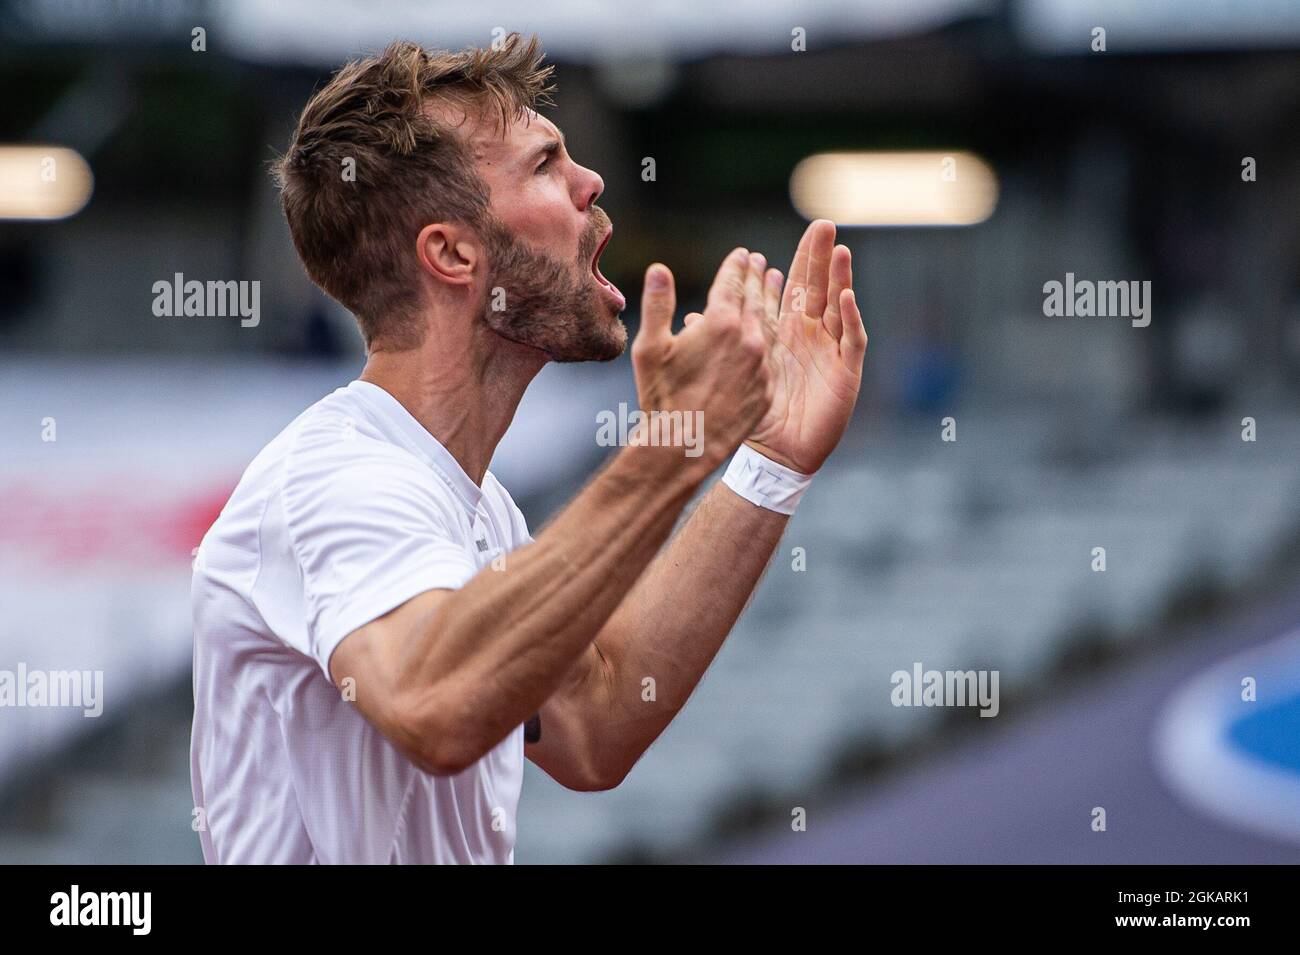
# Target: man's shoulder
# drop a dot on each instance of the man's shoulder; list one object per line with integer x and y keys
{"x": 336, "y": 450}
{"x": 332, "y": 449}
{"x": 496, "y": 492}
{"x": 338, "y": 430}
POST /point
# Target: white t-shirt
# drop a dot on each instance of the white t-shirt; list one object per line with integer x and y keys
{"x": 352, "y": 510}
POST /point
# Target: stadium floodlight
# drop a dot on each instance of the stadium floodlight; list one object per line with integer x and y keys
{"x": 895, "y": 188}
{"x": 43, "y": 182}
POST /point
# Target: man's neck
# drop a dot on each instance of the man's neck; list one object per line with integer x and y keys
{"x": 465, "y": 397}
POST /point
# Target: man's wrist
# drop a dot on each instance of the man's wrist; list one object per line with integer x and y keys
{"x": 664, "y": 467}
{"x": 764, "y": 482}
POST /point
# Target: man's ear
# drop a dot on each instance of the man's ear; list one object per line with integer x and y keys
{"x": 448, "y": 252}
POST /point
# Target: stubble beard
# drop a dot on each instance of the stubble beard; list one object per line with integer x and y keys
{"x": 548, "y": 304}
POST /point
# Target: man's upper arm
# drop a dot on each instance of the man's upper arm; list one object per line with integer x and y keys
{"x": 367, "y": 665}
{"x": 569, "y": 749}
{"x": 369, "y": 532}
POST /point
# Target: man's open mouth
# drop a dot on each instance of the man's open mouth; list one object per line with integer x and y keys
{"x": 605, "y": 283}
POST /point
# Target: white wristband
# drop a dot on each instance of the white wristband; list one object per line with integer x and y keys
{"x": 760, "y": 480}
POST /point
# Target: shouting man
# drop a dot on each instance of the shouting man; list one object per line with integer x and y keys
{"x": 369, "y": 669}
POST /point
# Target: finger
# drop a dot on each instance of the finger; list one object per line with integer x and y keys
{"x": 841, "y": 273}
{"x": 772, "y": 283}
{"x": 820, "y": 247}
{"x": 658, "y": 302}
{"x": 691, "y": 318}
{"x": 798, "y": 272}
{"x": 728, "y": 289}
{"x": 772, "y": 299}
{"x": 753, "y": 315}
{"x": 853, "y": 344}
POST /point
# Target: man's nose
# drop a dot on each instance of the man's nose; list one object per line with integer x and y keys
{"x": 591, "y": 189}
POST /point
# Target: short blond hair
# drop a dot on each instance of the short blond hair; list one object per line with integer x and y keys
{"x": 356, "y": 238}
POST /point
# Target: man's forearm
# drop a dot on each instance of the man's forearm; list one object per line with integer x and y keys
{"x": 502, "y": 644}
{"x": 672, "y": 623}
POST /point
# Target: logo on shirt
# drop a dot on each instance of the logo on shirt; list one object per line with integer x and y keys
{"x": 482, "y": 546}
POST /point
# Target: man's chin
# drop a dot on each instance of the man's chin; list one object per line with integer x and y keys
{"x": 604, "y": 347}
{"x": 618, "y": 343}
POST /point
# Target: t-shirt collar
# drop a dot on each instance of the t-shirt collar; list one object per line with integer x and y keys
{"x": 419, "y": 440}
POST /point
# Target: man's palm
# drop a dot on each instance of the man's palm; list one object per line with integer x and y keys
{"x": 818, "y": 344}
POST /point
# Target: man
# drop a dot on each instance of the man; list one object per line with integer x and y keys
{"x": 366, "y": 660}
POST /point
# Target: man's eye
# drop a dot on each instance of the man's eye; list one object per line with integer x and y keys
{"x": 544, "y": 164}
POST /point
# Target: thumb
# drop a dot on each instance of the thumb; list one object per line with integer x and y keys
{"x": 658, "y": 302}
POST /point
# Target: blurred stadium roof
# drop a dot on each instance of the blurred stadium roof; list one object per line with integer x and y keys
{"x": 322, "y": 32}
{"x": 315, "y": 32}
{"x": 1065, "y": 26}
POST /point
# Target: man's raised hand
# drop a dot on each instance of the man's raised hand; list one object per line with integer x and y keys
{"x": 819, "y": 343}
{"x": 719, "y": 364}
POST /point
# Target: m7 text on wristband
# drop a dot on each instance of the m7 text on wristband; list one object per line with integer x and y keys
{"x": 760, "y": 480}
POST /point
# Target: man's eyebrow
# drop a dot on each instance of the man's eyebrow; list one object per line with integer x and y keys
{"x": 548, "y": 148}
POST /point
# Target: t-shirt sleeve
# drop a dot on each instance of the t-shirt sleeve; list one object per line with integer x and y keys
{"x": 368, "y": 533}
